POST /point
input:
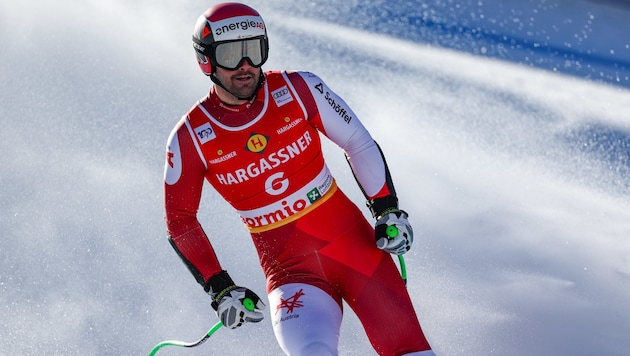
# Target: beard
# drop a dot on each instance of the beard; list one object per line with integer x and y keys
{"x": 242, "y": 84}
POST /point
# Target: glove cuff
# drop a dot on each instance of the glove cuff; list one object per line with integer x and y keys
{"x": 394, "y": 211}
{"x": 218, "y": 283}
{"x": 379, "y": 206}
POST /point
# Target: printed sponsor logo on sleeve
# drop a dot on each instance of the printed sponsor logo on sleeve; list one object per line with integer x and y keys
{"x": 337, "y": 107}
{"x": 173, "y": 165}
{"x": 320, "y": 88}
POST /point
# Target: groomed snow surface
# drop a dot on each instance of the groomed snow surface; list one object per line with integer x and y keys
{"x": 506, "y": 126}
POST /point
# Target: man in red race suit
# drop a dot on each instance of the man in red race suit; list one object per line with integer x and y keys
{"x": 256, "y": 139}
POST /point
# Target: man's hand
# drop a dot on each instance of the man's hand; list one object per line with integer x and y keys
{"x": 238, "y": 306}
{"x": 234, "y": 305}
{"x": 393, "y": 232}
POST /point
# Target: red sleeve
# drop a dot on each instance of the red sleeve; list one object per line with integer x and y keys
{"x": 183, "y": 182}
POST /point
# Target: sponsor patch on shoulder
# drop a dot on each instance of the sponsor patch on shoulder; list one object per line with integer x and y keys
{"x": 205, "y": 133}
{"x": 282, "y": 96}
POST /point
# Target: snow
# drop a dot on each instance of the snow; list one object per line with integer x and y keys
{"x": 506, "y": 126}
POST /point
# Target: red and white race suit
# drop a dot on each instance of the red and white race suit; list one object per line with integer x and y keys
{"x": 264, "y": 158}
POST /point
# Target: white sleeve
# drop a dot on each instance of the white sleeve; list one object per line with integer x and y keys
{"x": 342, "y": 126}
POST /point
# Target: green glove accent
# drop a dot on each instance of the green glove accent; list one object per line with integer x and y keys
{"x": 391, "y": 231}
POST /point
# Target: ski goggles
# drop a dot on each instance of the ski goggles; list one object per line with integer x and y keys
{"x": 230, "y": 54}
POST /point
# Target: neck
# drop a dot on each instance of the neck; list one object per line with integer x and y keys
{"x": 229, "y": 107}
{"x": 227, "y": 97}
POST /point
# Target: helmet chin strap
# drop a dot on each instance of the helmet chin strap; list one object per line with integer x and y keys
{"x": 261, "y": 80}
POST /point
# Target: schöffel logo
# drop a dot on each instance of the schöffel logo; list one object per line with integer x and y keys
{"x": 205, "y": 133}
{"x": 338, "y": 108}
{"x": 320, "y": 88}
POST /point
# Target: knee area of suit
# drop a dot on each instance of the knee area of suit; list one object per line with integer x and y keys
{"x": 318, "y": 348}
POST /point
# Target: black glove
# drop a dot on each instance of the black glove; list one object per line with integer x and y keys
{"x": 393, "y": 231}
{"x": 234, "y": 305}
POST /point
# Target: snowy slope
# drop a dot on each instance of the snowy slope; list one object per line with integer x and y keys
{"x": 512, "y": 161}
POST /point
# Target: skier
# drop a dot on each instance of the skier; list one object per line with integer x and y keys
{"x": 255, "y": 139}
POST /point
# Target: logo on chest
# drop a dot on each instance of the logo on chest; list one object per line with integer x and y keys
{"x": 205, "y": 133}
{"x": 282, "y": 96}
{"x": 265, "y": 163}
{"x": 257, "y": 143}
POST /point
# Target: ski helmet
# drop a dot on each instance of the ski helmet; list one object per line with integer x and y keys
{"x": 228, "y": 33}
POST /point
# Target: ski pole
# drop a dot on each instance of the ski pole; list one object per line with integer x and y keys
{"x": 403, "y": 268}
{"x": 216, "y": 327}
{"x": 392, "y": 232}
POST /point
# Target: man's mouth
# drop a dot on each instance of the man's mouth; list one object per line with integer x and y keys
{"x": 243, "y": 78}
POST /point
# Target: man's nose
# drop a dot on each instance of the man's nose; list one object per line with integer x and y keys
{"x": 245, "y": 63}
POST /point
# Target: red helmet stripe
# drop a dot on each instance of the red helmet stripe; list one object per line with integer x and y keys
{"x": 206, "y": 31}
